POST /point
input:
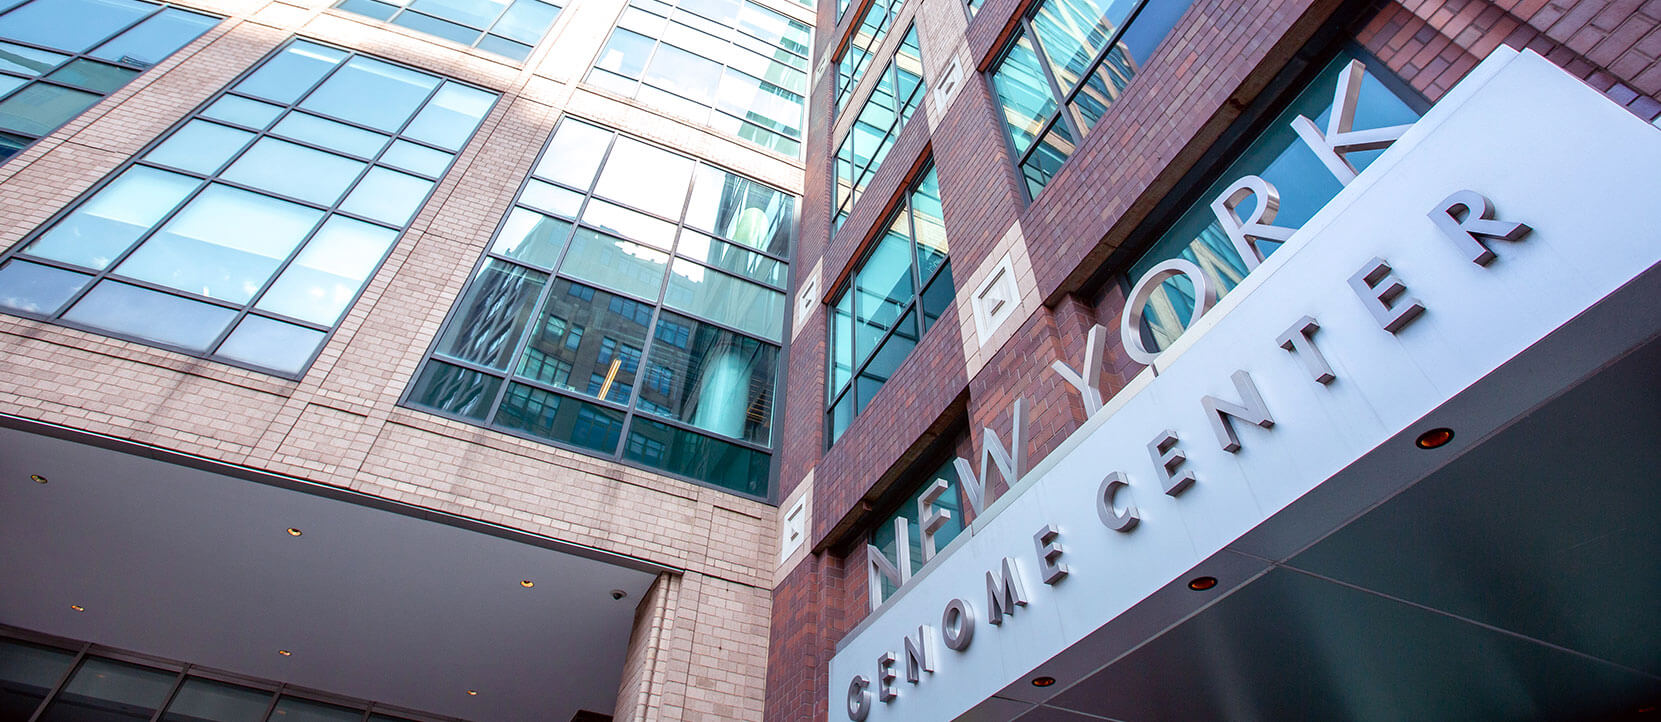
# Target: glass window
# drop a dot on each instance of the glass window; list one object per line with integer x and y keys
{"x": 104, "y": 689}
{"x": 28, "y": 672}
{"x": 293, "y": 709}
{"x": 203, "y": 700}
{"x": 490, "y": 25}
{"x": 1279, "y": 157}
{"x": 875, "y": 322}
{"x": 872, "y": 29}
{"x": 733, "y": 65}
{"x": 114, "y": 39}
{"x": 1085, "y": 54}
{"x": 236, "y": 250}
{"x": 878, "y": 126}
{"x": 951, "y": 502}
{"x": 595, "y": 358}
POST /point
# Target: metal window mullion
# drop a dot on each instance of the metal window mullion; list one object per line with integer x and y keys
{"x": 52, "y": 695}
{"x": 860, "y": 367}
{"x": 178, "y": 682}
{"x": 909, "y": 209}
{"x": 1056, "y": 92}
{"x": 1101, "y": 55}
{"x": 567, "y": 392}
{"x": 107, "y": 38}
{"x": 687, "y": 427}
{"x": 276, "y": 695}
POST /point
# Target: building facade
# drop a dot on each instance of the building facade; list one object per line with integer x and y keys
{"x": 658, "y": 360}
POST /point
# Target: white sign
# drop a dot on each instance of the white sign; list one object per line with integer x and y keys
{"x": 1482, "y": 230}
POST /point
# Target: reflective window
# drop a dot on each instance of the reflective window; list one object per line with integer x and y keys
{"x": 59, "y": 57}
{"x": 246, "y": 233}
{"x": 504, "y": 27}
{"x": 895, "y": 293}
{"x": 1068, "y": 61}
{"x": 878, "y": 126}
{"x": 868, "y": 35}
{"x": 104, "y": 689}
{"x": 951, "y": 502}
{"x": 1281, "y": 158}
{"x": 631, "y": 306}
{"x": 730, "y": 64}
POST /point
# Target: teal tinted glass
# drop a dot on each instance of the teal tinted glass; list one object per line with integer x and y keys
{"x": 950, "y": 503}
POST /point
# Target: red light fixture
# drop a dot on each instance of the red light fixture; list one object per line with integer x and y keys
{"x": 1200, "y": 584}
{"x": 1042, "y": 681}
{"x": 1434, "y": 438}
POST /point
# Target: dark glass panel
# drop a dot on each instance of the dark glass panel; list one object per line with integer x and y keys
{"x": 700, "y": 457}
{"x": 550, "y": 416}
{"x": 487, "y": 321}
{"x": 39, "y": 109}
{"x": 710, "y": 378}
{"x": 1024, "y": 93}
{"x": 951, "y": 502}
{"x": 103, "y": 690}
{"x": 93, "y": 75}
{"x": 204, "y": 700}
{"x": 587, "y": 341}
{"x": 291, "y": 709}
{"x": 27, "y": 673}
{"x": 455, "y": 390}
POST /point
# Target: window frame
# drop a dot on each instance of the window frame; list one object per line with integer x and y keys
{"x": 909, "y": 106}
{"x": 484, "y": 33}
{"x": 207, "y": 180}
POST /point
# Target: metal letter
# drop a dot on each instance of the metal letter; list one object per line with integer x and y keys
{"x": 885, "y": 678}
{"x": 1011, "y": 462}
{"x": 957, "y": 625}
{"x": 1048, "y": 552}
{"x": 1130, "y": 326}
{"x": 1166, "y": 458}
{"x": 1298, "y": 340}
{"x": 1003, "y": 595}
{"x": 1479, "y": 221}
{"x": 1250, "y": 410}
{"x": 919, "y": 654}
{"x": 879, "y": 567}
{"x": 930, "y": 519}
{"x": 1114, "y": 519}
{"x": 859, "y": 698}
{"x": 1339, "y": 139}
{"x": 1088, "y": 380}
{"x": 1247, "y": 232}
{"x": 1385, "y": 296}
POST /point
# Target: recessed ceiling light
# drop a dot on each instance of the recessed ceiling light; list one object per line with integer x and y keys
{"x": 1042, "y": 681}
{"x": 472, "y": 693}
{"x": 526, "y": 583}
{"x": 37, "y": 478}
{"x": 1434, "y": 438}
{"x": 285, "y": 653}
{"x": 294, "y": 532}
{"x": 1200, "y": 584}
{"x": 618, "y": 594}
{"x": 77, "y": 607}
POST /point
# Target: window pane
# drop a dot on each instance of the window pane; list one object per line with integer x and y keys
{"x": 157, "y": 317}
{"x": 526, "y": 21}
{"x": 487, "y": 321}
{"x": 455, "y": 390}
{"x": 34, "y": 288}
{"x": 39, "y": 109}
{"x": 887, "y": 358}
{"x": 284, "y": 78}
{"x": 200, "y": 146}
{"x": 379, "y": 95}
{"x": 93, "y": 75}
{"x": 725, "y": 299}
{"x": 882, "y": 535}
{"x": 477, "y": 13}
{"x": 441, "y": 28}
{"x": 290, "y": 709}
{"x": 327, "y": 275}
{"x": 615, "y": 263}
{"x": 929, "y": 225}
{"x": 884, "y": 279}
{"x": 842, "y": 344}
{"x": 551, "y": 198}
{"x": 451, "y": 116}
{"x": 630, "y": 224}
{"x": 685, "y": 74}
{"x": 251, "y": 113}
{"x": 372, "y": 8}
{"x": 588, "y": 341}
{"x": 646, "y": 177}
{"x": 1109, "y": 79}
{"x": 532, "y": 237}
{"x": 27, "y": 673}
{"x": 103, "y": 228}
{"x": 72, "y": 25}
{"x": 938, "y": 297}
{"x": 1046, "y": 159}
{"x": 760, "y": 102}
{"x": 626, "y": 53}
{"x": 106, "y": 690}
{"x": 741, "y": 210}
{"x": 574, "y": 155}
{"x": 329, "y": 134}
{"x": 31, "y": 61}
{"x": 1025, "y": 94}
{"x": 202, "y": 700}
{"x": 388, "y": 196}
{"x": 156, "y": 38}
{"x": 1073, "y": 30}
{"x": 224, "y": 244}
{"x": 551, "y": 416}
{"x": 710, "y": 378}
{"x": 700, "y": 457}
{"x": 271, "y": 344}
{"x": 295, "y": 171}
{"x": 502, "y": 46}
{"x": 728, "y": 257}
{"x": 417, "y": 158}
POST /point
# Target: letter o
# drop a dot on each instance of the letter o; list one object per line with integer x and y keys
{"x": 957, "y": 625}
{"x": 1113, "y": 518}
{"x": 1130, "y": 327}
{"x": 859, "y": 698}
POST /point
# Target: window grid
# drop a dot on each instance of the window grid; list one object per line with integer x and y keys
{"x": 755, "y": 128}
{"x": 650, "y": 374}
{"x": 844, "y": 399}
{"x": 490, "y": 36}
{"x": 854, "y": 164}
{"x": 204, "y": 181}
{"x": 1054, "y": 139}
{"x": 868, "y": 34}
{"x": 12, "y": 139}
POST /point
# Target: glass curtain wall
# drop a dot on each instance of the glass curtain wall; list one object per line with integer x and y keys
{"x": 892, "y": 298}
{"x": 99, "y": 687}
{"x": 246, "y": 233}
{"x": 868, "y": 35}
{"x": 631, "y": 306}
{"x": 1068, "y": 61}
{"x": 504, "y": 27}
{"x": 1280, "y": 157}
{"x": 730, "y": 64}
{"x": 878, "y": 126}
{"x": 59, "y": 57}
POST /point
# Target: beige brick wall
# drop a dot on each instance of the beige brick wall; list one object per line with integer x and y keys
{"x": 699, "y": 649}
